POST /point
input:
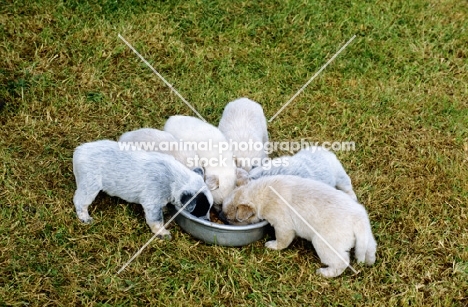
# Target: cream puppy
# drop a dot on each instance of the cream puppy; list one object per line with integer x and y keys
{"x": 149, "y": 139}
{"x": 212, "y": 152}
{"x": 245, "y": 127}
{"x": 329, "y": 213}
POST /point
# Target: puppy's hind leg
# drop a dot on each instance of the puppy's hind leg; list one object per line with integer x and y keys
{"x": 82, "y": 199}
{"x": 343, "y": 183}
{"x": 88, "y": 185}
{"x": 371, "y": 250}
{"x": 155, "y": 220}
{"x": 337, "y": 260}
{"x": 365, "y": 246}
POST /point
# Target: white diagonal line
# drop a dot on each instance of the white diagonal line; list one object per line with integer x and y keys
{"x": 311, "y": 79}
{"x": 313, "y": 229}
{"x": 156, "y": 234}
{"x": 161, "y": 77}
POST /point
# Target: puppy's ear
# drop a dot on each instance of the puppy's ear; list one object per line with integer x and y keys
{"x": 202, "y": 205}
{"x": 244, "y": 212}
{"x": 242, "y": 177}
{"x": 212, "y": 182}
{"x": 199, "y": 171}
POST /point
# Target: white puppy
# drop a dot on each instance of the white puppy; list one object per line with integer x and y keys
{"x": 156, "y": 140}
{"x": 151, "y": 179}
{"x": 245, "y": 127}
{"x": 332, "y": 217}
{"x": 314, "y": 162}
{"x": 212, "y": 151}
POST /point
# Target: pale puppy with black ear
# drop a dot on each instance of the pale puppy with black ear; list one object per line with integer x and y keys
{"x": 150, "y": 139}
{"x": 330, "y": 213}
{"x": 244, "y": 123}
{"x": 220, "y": 171}
{"x": 314, "y": 162}
{"x": 151, "y": 179}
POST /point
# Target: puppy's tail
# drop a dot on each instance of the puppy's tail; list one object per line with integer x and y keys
{"x": 365, "y": 248}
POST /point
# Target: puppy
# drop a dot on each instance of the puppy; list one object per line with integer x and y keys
{"x": 329, "y": 213}
{"x": 156, "y": 140}
{"x": 314, "y": 163}
{"x": 212, "y": 151}
{"x": 244, "y": 125}
{"x": 151, "y": 179}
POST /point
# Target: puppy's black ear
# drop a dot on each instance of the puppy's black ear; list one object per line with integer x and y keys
{"x": 202, "y": 206}
{"x": 242, "y": 177}
{"x": 199, "y": 171}
{"x": 244, "y": 212}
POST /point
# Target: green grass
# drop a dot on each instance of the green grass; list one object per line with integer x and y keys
{"x": 399, "y": 91}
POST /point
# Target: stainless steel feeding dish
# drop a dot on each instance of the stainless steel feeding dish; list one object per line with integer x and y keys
{"x": 218, "y": 234}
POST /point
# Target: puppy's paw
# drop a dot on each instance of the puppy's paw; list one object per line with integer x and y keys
{"x": 162, "y": 233}
{"x": 86, "y": 220}
{"x": 329, "y": 272}
{"x": 370, "y": 259}
{"x": 272, "y": 245}
{"x": 84, "y": 216}
{"x": 165, "y": 237}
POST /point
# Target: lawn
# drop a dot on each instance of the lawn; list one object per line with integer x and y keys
{"x": 399, "y": 91}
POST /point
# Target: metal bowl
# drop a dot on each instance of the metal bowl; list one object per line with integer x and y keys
{"x": 217, "y": 234}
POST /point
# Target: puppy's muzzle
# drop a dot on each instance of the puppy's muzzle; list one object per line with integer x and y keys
{"x": 223, "y": 218}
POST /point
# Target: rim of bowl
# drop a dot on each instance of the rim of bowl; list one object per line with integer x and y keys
{"x": 224, "y": 227}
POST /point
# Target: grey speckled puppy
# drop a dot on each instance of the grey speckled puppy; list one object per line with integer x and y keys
{"x": 151, "y": 179}
{"x": 314, "y": 163}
